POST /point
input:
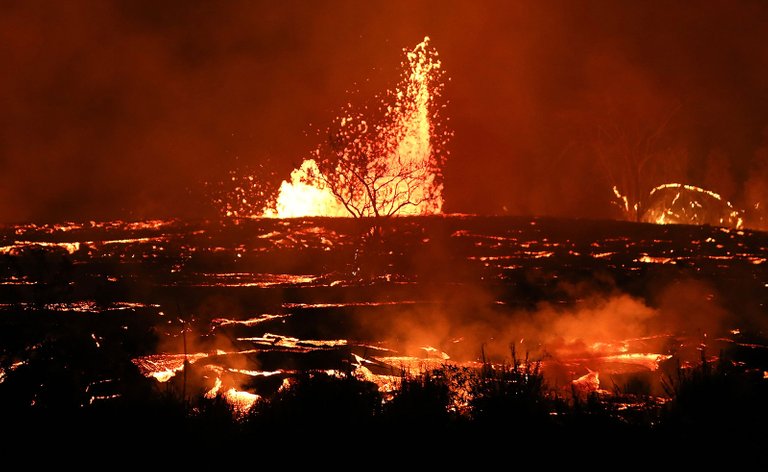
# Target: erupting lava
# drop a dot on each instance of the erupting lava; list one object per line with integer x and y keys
{"x": 687, "y": 204}
{"x": 379, "y": 165}
{"x": 305, "y": 195}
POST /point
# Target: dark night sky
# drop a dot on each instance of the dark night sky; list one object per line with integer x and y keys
{"x": 121, "y": 108}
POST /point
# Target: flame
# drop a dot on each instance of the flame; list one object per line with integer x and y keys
{"x": 402, "y": 175}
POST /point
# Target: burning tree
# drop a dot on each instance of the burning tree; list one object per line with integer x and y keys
{"x": 381, "y": 162}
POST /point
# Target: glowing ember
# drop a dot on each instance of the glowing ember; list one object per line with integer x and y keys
{"x": 382, "y": 169}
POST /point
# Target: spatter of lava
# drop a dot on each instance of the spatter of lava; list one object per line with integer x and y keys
{"x": 687, "y": 204}
{"x": 403, "y": 140}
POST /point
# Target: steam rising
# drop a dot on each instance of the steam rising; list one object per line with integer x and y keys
{"x": 596, "y": 324}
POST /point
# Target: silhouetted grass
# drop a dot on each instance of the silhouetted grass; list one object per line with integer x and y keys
{"x": 716, "y": 398}
{"x": 316, "y": 402}
{"x": 509, "y": 402}
{"x": 510, "y": 393}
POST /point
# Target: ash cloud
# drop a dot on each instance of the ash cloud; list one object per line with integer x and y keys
{"x": 124, "y": 108}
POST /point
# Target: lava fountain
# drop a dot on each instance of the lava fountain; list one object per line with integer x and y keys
{"x": 381, "y": 162}
{"x": 687, "y": 204}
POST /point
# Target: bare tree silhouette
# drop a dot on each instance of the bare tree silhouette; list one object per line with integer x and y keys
{"x": 635, "y": 154}
{"x": 376, "y": 172}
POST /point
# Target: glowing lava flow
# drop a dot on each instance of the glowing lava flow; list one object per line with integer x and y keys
{"x": 587, "y": 383}
{"x": 164, "y": 366}
{"x": 240, "y": 401}
{"x": 383, "y": 169}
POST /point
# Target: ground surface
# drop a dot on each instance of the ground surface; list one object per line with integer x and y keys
{"x": 253, "y": 302}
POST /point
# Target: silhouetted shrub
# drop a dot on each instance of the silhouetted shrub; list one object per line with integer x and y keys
{"x": 317, "y": 401}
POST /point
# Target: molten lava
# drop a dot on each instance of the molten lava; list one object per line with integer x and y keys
{"x": 306, "y": 195}
{"x": 164, "y": 366}
{"x": 587, "y": 383}
{"x": 378, "y": 167}
{"x": 687, "y": 204}
{"x": 241, "y": 401}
